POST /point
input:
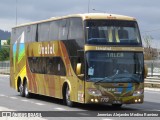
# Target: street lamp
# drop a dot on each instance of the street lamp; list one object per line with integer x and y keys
{"x": 88, "y": 5}
{"x": 16, "y": 11}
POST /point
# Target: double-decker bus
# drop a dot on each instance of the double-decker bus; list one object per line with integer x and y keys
{"x": 83, "y": 58}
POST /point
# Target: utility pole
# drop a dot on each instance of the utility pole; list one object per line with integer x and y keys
{"x": 16, "y": 11}
{"x": 88, "y": 5}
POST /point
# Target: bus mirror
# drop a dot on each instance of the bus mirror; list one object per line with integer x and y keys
{"x": 145, "y": 71}
{"x": 78, "y": 70}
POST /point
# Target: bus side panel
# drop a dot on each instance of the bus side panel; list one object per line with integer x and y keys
{"x": 50, "y": 84}
{"x": 12, "y": 81}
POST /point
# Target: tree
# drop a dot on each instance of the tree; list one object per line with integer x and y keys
{"x": 149, "y": 52}
{"x": 8, "y": 41}
{"x": 4, "y": 54}
{"x": 4, "y": 51}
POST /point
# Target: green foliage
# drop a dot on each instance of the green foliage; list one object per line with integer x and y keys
{"x": 4, "y": 51}
{"x": 8, "y": 41}
{"x": 4, "y": 54}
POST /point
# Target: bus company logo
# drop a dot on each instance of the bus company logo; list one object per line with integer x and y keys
{"x": 6, "y": 114}
{"x": 46, "y": 50}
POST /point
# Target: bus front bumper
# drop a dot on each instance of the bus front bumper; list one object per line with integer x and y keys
{"x": 115, "y": 100}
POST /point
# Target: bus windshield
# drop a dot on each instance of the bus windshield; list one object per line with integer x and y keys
{"x": 112, "y": 32}
{"x": 114, "y": 67}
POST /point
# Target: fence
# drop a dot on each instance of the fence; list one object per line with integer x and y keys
{"x": 4, "y": 67}
{"x": 153, "y": 67}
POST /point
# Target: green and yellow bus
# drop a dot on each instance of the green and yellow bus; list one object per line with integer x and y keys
{"x": 83, "y": 58}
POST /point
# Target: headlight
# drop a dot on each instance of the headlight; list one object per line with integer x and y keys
{"x": 138, "y": 92}
{"x": 94, "y": 92}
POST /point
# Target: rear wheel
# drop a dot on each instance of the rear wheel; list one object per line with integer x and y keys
{"x": 26, "y": 92}
{"x": 21, "y": 90}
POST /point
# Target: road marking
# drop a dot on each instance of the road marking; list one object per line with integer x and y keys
{"x": 83, "y": 114}
{"x": 152, "y": 92}
{"x": 39, "y": 103}
{"x": 155, "y": 110}
{"x": 2, "y": 75}
{"x": 152, "y": 89}
{"x": 61, "y": 109}
{"x": 25, "y": 100}
{"x": 1, "y": 95}
{"x": 106, "y": 119}
{"x": 5, "y": 109}
{"x": 13, "y": 98}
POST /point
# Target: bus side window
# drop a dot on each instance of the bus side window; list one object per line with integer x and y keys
{"x": 75, "y": 29}
{"x": 43, "y": 31}
{"x": 59, "y": 66}
{"x": 55, "y": 66}
{"x": 63, "y": 29}
{"x": 54, "y": 30}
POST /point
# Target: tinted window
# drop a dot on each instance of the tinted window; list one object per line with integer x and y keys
{"x": 13, "y": 35}
{"x": 75, "y": 29}
{"x": 63, "y": 29}
{"x": 43, "y": 31}
{"x": 29, "y": 34}
{"x": 17, "y": 35}
{"x": 47, "y": 65}
{"x": 34, "y": 32}
{"x": 115, "y": 66}
{"x": 113, "y": 32}
{"x": 54, "y": 30}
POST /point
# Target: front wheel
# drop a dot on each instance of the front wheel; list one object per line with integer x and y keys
{"x": 117, "y": 105}
{"x": 67, "y": 97}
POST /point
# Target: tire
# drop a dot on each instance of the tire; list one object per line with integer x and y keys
{"x": 21, "y": 90}
{"x": 67, "y": 100}
{"x": 26, "y": 92}
{"x": 117, "y": 105}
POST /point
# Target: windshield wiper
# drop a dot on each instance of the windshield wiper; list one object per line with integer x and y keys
{"x": 133, "y": 77}
{"x": 106, "y": 78}
{"x": 125, "y": 77}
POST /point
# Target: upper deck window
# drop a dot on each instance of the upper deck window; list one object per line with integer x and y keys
{"x": 112, "y": 32}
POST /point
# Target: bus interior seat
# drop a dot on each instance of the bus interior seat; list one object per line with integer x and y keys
{"x": 123, "y": 34}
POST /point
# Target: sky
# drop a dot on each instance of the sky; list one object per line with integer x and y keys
{"x": 147, "y": 12}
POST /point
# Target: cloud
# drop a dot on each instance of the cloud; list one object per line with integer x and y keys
{"x": 147, "y": 12}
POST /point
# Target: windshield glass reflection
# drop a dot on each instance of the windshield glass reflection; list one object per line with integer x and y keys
{"x": 114, "y": 67}
{"x": 112, "y": 32}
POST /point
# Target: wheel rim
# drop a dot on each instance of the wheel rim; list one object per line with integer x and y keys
{"x": 21, "y": 89}
{"x": 67, "y": 95}
{"x": 26, "y": 91}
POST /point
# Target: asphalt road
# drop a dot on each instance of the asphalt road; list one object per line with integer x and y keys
{"x": 10, "y": 100}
